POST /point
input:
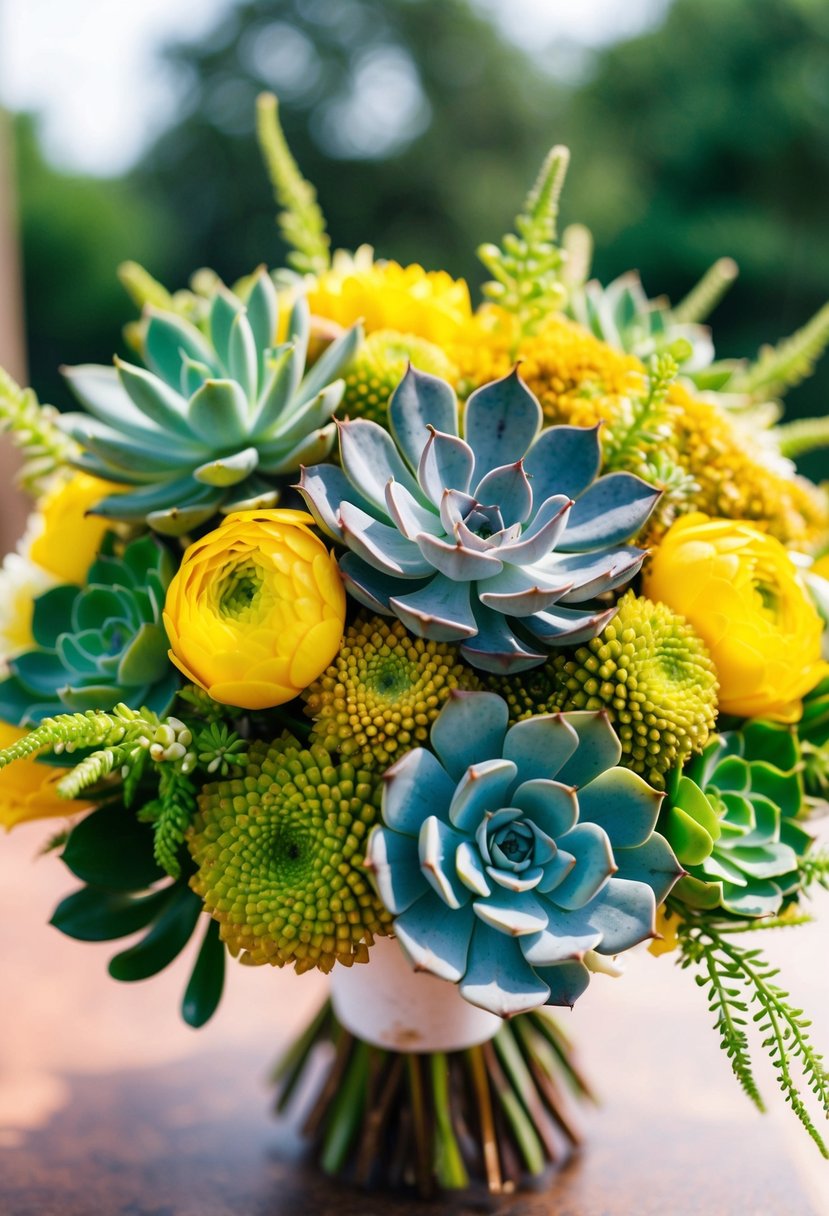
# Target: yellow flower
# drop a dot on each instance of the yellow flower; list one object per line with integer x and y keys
{"x": 739, "y": 589}
{"x": 27, "y": 788}
{"x": 256, "y": 611}
{"x": 69, "y": 538}
{"x": 21, "y": 582}
{"x": 429, "y": 304}
{"x": 821, "y": 567}
{"x": 667, "y": 925}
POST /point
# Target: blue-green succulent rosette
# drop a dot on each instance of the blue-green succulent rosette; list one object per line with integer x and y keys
{"x": 501, "y": 540}
{"x": 509, "y": 855}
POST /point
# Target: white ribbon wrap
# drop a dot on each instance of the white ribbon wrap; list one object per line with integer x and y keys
{"x": 389, "y": 1004}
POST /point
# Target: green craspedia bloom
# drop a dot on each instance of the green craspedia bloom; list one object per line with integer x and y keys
{"x": 280, "y": 851}
{"x": 654, "y": 676}
{"x": 379, "y": 366}
{"x": 383, "y": 691}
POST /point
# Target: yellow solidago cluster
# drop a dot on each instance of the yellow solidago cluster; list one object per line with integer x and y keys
{"x": 581, "y": 380}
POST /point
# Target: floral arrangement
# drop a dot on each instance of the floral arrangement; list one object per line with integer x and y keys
{"x": 454, "y": 651}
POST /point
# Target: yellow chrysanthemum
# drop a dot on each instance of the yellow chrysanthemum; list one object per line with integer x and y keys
{"x": 667, "y": 926}
{"x": 21, "y": 582}
{"x": 28, "y": 789}
{"x": 740, "y": 591}
{"x": 427, "y": 303}
{"x": 68, "y": 539}
{"x": 256, "y": 610}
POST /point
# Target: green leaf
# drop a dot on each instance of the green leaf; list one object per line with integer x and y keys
{"x": 111, "y": 849}
{"x": 94, "y": 915}
{"x": 164, "y": 942}
{"x": 145, "y": 659}
{"x": 204, "y": 990}
{"x": 52, "y": 614}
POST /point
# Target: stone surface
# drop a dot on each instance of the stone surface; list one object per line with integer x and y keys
{"x": 110, "y": 1107}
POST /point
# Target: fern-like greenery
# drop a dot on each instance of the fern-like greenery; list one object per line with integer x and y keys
{"x": 65, "y": 733}
{"x": 781, "y": 367}
{"x": 301, "y": 221}
{"x": 171, "y": 814}
{"x": 31, "y": 427}
{"x": 645, "y": 425}
{"x": 814, "y": 871}
{"x": 526, "y": 267}
{"x": 705, "y": 295}
{"x": 742, "y": 993}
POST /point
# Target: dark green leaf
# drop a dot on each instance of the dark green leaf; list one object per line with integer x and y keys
{"x": 204, "y": 990}
{"x": 111, "y": 849}
{"x": 164, "y": 942}
{"x": 94, "y": 915}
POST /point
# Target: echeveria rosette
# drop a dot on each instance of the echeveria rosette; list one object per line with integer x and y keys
{"x": 507, "y": 855}
{"x": 100, "y": 644}
{"x": 499, "y": 541}
{"x": 732, "y": 820}
{"x": 215, "y": 422}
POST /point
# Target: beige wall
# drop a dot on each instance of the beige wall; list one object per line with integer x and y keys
{"x": 13, "y": 505}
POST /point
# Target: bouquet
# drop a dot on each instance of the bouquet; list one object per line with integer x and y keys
{"x": 452, "y": 651}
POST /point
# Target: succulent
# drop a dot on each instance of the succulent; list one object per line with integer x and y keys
{"x": 499, "y": 541}
{"x": 378, "y": 366}
{"x": 508, "y": 855}
{"x": 654, "y": 676}
{"x": 215, "y": 422}
{"x": 383, "y": 691}
{"x": 731, "y": 819}
{"x": 623, "y": 316}
{"x": 813, "y": 732}
{"x": 279, "y": 851}
{"x": 98, "y": 645}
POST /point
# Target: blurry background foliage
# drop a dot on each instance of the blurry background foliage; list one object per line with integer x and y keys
{"x": 422, "y": 129}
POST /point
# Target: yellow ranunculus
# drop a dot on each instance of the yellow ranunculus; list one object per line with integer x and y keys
{"x": 739, "y": 589}
{"x": 427, "y": 303}
{"x": 257, "y": 609}
{"x": 69, "y": 539}
{"x": 27, "y": 789}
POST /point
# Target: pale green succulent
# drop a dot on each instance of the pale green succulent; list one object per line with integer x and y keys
{"x": 511, "y": 854}
{"x": 220, "y": 420}
{"x": 503, "y": 541}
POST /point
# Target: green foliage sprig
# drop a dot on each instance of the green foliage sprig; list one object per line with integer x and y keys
{"x": 32, "y": 429}
{"x": 301, "y": 221}
{"x": 171, "y": 814}
{"x": 781, "y": 367}
{"x": 526, "y": 267}
{"x": 741, "y": 990}
{"x": 705, "y": 295}
{"x": 814, "y": 871}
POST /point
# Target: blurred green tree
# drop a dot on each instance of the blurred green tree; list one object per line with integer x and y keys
{"x": 418, "y": 124}
{"x": 709, "y": 136}
{"x": 74, "y": 232}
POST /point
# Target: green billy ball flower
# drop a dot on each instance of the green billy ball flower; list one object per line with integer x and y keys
{"x": 379, "y": 366}
{"x": 654, "y": 676}
{"x": 279, "y": 851}
{"x": 731, "y": 819}
{"x": 528, "y": 693}
{"x": 383, "y": 691}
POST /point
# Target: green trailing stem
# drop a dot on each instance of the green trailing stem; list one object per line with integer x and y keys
{"x": 705, "y": 295}
{"x": 742, "y": 994}
{"x": 301, "y": 221}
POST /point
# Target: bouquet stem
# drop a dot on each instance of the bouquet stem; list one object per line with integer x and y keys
{"x": 498, "y": 1114}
